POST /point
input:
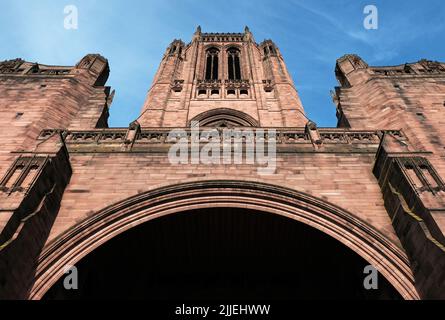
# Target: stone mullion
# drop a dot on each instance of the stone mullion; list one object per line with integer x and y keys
{"x": 234, "y": 67}
{"x": 211, "y": 66}
{"x": 432, "y": 172}
{"x": 222, "y": 66}
{"x": 41, "y": 164}
{"x": 10, "y": 172}
{"x": 224, "y": 72}
{"x": 23, "y": 174}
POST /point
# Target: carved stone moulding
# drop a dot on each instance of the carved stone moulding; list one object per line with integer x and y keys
{"x": 117, "y": 137}
{"x": 268, "y": 85}
{"x": 22, "y": 173}
{"x": 209, "y": 84}
{"x": 11, "y": 66}
{"x": 431, "y": 66}
{"x": 222, "y": 37}
{"x": 177, "y": 85}
{"x": 421, "y": 174}
{"x": 237, "y": 84}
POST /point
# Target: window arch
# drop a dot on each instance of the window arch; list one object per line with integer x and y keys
{"x": 212, "y": 60}
{"x": 224, "y": 117}
{"x": 234, "y": 67}
{"x": 269, "y": 49}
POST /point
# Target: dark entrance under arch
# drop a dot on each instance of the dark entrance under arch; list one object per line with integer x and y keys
{"x": 222, "y": 253}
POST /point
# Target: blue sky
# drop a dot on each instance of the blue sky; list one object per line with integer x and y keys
{"x": 133, "y": 35}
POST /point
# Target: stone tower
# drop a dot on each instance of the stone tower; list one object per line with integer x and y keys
{"x": 223, "y": 71}
{"x": 75, "y": 192}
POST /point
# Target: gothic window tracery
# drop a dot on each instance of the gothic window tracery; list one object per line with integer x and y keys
{"x": 224, "y": 117}
{"x": 269, "y": 49}
{"x": 272, "y": 50}
{"x": 233, "y": 62}
{"x": 212, "y": 61}
{"x": 22, "y": 173}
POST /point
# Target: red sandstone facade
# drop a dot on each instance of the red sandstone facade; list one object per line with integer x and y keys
{"x": 69, "y": 183}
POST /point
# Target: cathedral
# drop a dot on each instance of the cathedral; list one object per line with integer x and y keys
{"x": 110, "y": 207}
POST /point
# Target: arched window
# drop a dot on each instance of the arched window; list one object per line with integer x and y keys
{"x": 234, "y": 64}
{"x": 212, "y": 64}
{"x": 269, "y": 49}
{"x": 224, "y": 117}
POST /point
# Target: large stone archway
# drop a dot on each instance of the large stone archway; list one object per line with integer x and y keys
{"x": 357, "y": 235}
